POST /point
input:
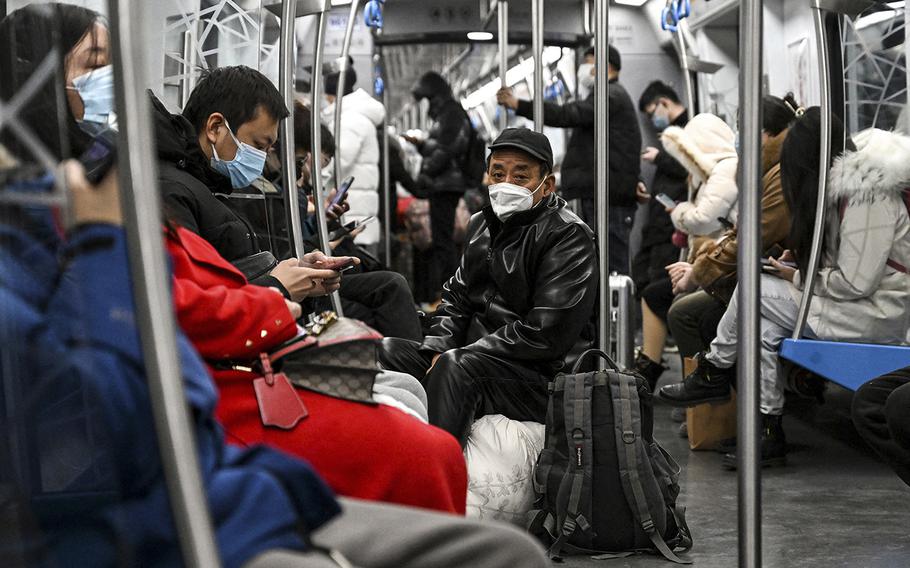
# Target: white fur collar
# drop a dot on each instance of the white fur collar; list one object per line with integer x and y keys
{"x": 879, "y": 167}
{"x": 701, "y": 145}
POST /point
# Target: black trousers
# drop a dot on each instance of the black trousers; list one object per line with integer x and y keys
{"x": 463, "y": 385}
{"x": 383, "y": 301}
{"x": 620, "y": 227}
{"x": 881, "y": 414}
{"x": 693, "y": 320}
{"x": 444, "y": 259}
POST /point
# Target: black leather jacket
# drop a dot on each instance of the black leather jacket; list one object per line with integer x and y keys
{"x": 525, "y": 289}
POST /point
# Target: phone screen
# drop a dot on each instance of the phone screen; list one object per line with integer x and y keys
{"x": 665, "y": 200}
{"x": 339, "y": 196}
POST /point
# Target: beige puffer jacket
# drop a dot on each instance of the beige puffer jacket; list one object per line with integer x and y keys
{"x": 706, "y": 148}
{"x": 858, "y": 295}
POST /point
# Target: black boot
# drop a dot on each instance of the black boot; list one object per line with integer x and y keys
{"x": 773, "y": 444}
{"x": 706, "y": 383}
{"x": 648, "y": 369}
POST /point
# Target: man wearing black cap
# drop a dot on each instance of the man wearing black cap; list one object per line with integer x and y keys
{"x": 580, "y": 163}
{"x": 520, "y": 300}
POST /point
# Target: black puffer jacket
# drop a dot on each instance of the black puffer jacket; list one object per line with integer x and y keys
{"x": 657, "y": 250}
{"x": 189, "y": 189}
{"x": 444, "y": 149}
{"x": 579, "y": 167}
{"x": 525, "y": 290}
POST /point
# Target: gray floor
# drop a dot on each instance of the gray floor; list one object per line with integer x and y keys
{"x": 833, "y": 505}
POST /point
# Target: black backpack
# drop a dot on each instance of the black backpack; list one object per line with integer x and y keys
{"x": 605, "y": 487}
{"x": 474, "y": 161}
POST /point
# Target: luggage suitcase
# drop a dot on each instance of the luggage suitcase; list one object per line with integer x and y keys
{"x": 622, "y": 334}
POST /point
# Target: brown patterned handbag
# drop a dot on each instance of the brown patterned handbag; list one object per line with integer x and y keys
{"x": 335, "y": 356}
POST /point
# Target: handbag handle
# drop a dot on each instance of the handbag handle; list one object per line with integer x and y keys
{"x": 593, "y": 352}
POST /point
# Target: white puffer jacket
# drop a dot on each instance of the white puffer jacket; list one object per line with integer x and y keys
{"x": 358, "y": 153}
{"x": 860, "y": 295}
{"x": 706, "y": 148}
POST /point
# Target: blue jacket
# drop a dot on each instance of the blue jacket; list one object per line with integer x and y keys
{"x": 72, "y": 330}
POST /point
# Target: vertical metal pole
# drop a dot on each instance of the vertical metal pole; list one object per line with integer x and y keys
{"x": 502, "y": 20}
{"x": 905, "y": 128}
{"x": 316, "y": 142}
{"x": 537, "y": 47}
{"x": 286, "y": 52}
{"x": 748, "y": 424}
{"x": 154, "y": 308}
{"x": 684, "y": 65}
{"x": 824, "y": 158}
{"x": 386, "y": 174}
{"x": 342, "y": 76}
{"x": 602, "y": 140}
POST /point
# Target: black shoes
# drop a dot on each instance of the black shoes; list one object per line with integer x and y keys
{"x": 706, "y": 383}
{"x": 648, "y": 369}
{"x": 773, "y": 444}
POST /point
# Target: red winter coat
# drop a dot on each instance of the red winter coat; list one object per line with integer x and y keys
{"x": 369, "y": 452}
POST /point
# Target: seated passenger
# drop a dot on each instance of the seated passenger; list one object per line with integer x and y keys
{"x": 862, "y": 292}
{"x": 693, "y": 318}
{"x": 517, "y": 304}
{"x": 370, "y": 452}
{"x": 706, "y": 148}
{"x": 881, "y": 414}
{"x": 68, "y": 314}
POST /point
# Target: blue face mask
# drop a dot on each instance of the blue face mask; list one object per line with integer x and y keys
{"x": 96, "y": 89}
{"x": 660, "y": 122}
{"x": 246, "y": 166}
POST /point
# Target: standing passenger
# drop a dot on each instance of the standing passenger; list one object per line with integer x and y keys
{"x": 579, "y": 167}
{"x": 441, "y": 176}
{"x": 358, "y": 152}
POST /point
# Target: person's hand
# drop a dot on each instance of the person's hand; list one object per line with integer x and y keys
{"x": 295, "y": 309}
{"x": 93, "y": 203}
{"x": 303, "y": 281}
{"x": 641, "y": 193}
{"x": 333, "y": 212}
{"x": 650, "y": 154}
{"x": 507, "y": 98}
{"x": 781, "y": 271}
{"x": 337, "y": 242}
{"x": 681, "y": 277}
{"x": 787, "y": 256}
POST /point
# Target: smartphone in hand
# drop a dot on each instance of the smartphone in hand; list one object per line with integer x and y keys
{"x": 665, "y": 200}
{"x": 341, "y": 193}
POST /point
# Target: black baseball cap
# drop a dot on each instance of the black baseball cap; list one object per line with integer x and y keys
{"x": 526, "y": 140}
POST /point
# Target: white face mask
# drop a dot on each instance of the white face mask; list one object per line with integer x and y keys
{"x": 508, "y": 198}
{"x": 585, "y": 79}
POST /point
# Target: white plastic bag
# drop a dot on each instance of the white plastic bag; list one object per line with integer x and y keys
{"x": 501, "y": 455}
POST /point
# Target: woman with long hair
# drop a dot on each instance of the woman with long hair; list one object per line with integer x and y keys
{"x": 862, "y": 291}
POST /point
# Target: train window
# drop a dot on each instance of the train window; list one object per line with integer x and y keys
{"x": 875, "y": 69}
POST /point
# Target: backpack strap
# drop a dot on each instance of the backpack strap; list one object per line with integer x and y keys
{"x": 577, "y": 408}
{"x": 542, "y": 472}
{"x": 628, "y": 436}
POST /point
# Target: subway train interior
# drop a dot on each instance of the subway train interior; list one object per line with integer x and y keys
{"x": 440, "y": 283}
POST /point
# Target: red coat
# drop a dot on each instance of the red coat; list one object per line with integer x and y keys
{"x": 370, "y": 452}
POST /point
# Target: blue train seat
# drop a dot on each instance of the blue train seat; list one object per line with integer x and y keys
{"x": 847, "y": 364}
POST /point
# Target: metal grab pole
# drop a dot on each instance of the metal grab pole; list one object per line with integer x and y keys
{"x": 537, "y": 47}
{"x": 684, "y": 65}
{"x": 748, "y": 322}
{"x": 154, "y": 308}
{"x": 316, "y": 141}
{"x": 286, "y": 129}
{"x": 342, "y": 80}
{"x": 386, "y": 174}
{"x": 602, "y": 127}
{"x": 502, "y": 21}
{"x": 824, "y": 158}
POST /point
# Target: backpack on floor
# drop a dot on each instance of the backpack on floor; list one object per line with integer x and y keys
{"x": 605, "y": 486}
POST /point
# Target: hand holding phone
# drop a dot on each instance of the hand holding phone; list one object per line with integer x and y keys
{"x": 349, "y": 228}
{"x": 340, "y": 193}
{"x": 665, "y": 200}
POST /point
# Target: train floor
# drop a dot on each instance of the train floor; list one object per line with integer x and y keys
{"x": 834, "y": 504}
